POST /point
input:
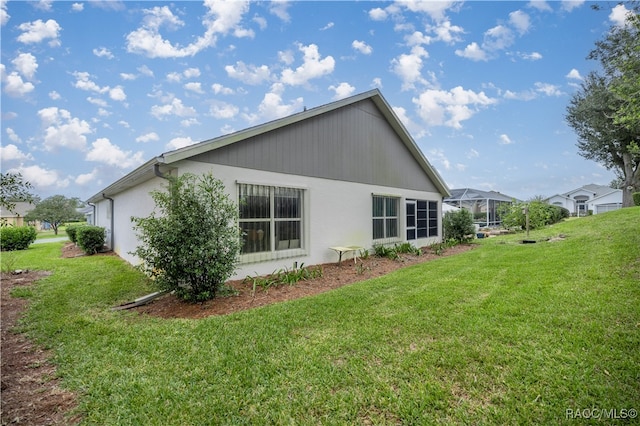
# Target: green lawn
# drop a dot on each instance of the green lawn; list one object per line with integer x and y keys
{"x": 504, "y": 334}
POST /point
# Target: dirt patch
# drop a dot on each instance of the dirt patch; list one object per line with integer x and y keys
{"x": 333, "y": 276}
{"x": 31, "y": 394}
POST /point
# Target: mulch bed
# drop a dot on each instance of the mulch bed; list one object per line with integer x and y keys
{"x": 31, "y": 393}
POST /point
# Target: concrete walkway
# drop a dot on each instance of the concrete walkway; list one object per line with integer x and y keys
{"x": 51, "y": 240}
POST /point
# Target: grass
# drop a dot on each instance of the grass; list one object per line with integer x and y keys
{"x": 49, "y": 234}
{"x": 507, "y": 333}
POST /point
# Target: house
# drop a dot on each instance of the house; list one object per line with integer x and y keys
{"x": 15, "y": 217}
{"x": 484, "y": 205}
{"x": 589, "y": 198}
{"x": 344, "y": 174}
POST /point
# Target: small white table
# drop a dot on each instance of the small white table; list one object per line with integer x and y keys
{"x": 341, "y": 250}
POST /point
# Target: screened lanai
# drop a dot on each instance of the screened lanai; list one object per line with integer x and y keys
{"x": 484, "y": 205}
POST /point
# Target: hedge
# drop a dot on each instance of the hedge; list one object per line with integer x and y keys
{"x": 90, "y": 238}
{"x": 17, "y": 237}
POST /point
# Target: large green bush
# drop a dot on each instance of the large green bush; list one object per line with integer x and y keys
{"x": 192, "y": 245}
{"x": 72, "y": 232}
{"x": 90, "y": 238}
{"x": 540, "y": 214}
{"x": 17, "y": 237}
{"x": 636, "y": 198}
{"x": 458, "y": 225}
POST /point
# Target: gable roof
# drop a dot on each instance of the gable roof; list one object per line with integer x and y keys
{"x": 597, "y": 191}
{"x": 165, "y": 160}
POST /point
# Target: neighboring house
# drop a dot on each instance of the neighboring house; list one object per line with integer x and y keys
{"x": 589, "y": 198}
{"x": 343, "y": 174}
{"x": 16, "y": 217}
{"x": 485, "y": 205}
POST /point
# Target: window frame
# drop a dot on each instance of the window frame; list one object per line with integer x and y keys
{"x": 385, "y": 216}
{"x": 426, "y": 219}
{"x": 274, "y": 220}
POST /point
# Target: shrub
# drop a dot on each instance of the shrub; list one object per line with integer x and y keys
{"x": 191, "y": 245}
{"x": 72, "y": 232}
{"x": 636, "y": 198}
{"x": 458, "y": 225}
{"x": 17, "y": 237}
{"x": 90, "y": 238}
{"x": 540, "y": 214}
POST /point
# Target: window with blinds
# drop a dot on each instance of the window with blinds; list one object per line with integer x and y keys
{"x": 385, "y": 217}
{"x": 270, "y": 218}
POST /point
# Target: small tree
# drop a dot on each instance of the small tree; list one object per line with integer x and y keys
{"x": 458, "y": 225}
{"x": 192, "y": 246}
{"x": 55, "y": 210}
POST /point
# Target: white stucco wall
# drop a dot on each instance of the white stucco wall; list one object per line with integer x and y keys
{"x": 609, "y": 199}
{"x": 336, "y": 213}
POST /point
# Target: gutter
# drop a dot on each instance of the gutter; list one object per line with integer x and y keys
{"x": 111, "y": 246}
{"x": 157, "y": 172}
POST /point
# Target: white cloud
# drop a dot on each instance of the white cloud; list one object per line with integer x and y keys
{"x": 195, "y": 87}
{"x": 362, "y": 47}
{"x": 409, "y": 67}
{"x": 378, "y": 14}
{"x": 180, "y": 142}
{"x": 189, "y": 122}
{"x": 54, "y": 96}
{"x": 191, "y": 73}
{"x": 103, "y": 52}
{"x": 312, "y": 67}
{"x": 223, "y": 110}
{"x": 342, "y": 90}
{"x": 223, "y": 17}
{"x": 219, "y": 89}
{"x": 26, "y": 64}
{"x": 273, "y": 106}
{"x": 14, "y": 85}
{"x": 446, "y": 32}
{"x": 450, "y": 108}
{"x": 117, "y": 94}
{"x": 12, "y": 152}
{"x": 4, "y": 16}
{"x": 435, "y": 9}
{"x": 548, "y": 89}
{"x": 97, "y": 101}
{"x": 128, "y": 76}
{"x": 262, "y": 23}
{"x": 540, "y": 5}
{"x": 473, "y": 51}
{"x": 77, "y": 7}
{"x": 498, "y": 38}
{"x": 619, "y": 14}
{"x": 327, "y": 27}
{"x": 175, "y": 107}
{"x": 505, "y": 140}
{"x": 13, "y": 136}
{"x": 248, "y": 74}
{"x": 37, "y": 31}
{"x": 63, "y": 130}
{"x": 84, "y": 82}
{"x": 148, "y": 137}
{"x": 279, "y": 8}
{"x": 574, "y": 74}
{"x": 437, "y": 155}
{"x": 569, "y": 5}
{"x": 87, "y": 178}
{"x": 473, "y": 154}
{"x": 103, "y": 151}
{"x": 42, "y": 178}
{"x": 533, "y": 56}
{"x": 286, "y": 56}
{"x": 520, "y": 20}
{"x": 525, "y": 95}
{"x": 44, "y": 5}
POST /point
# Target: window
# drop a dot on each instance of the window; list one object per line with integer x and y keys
{"x": 270, "y": 218}
{"x": 385, "y": 217}
{"x": 422, "y": 219}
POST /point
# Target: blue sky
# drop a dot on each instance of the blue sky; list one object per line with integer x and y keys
{"x": 91, "y": 90}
